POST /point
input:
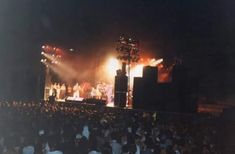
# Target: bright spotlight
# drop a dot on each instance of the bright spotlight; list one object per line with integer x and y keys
{"x": 153, "y": 59}
{"x": 159, "y": 61}
{"x": 155, "y": 62}
{"x": 43, "y": 46}
{"x": 71, "y": 49}
{"x": 112, "y": 66}
{"x": 137, "y": 71}
{"x": 42, "y": 53}
{"x": 43, "y": 60}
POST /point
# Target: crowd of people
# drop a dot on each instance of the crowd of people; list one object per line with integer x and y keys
{"x": 43, "y": 128}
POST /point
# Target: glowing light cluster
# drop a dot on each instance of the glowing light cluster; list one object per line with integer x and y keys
{"x": 113, "y": 65}
{"x": 137, "y": 71}
{"x": 153, "y": 62}
{"x": 43, "y": 60}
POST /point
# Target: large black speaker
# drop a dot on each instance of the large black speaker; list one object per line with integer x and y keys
{"x": 150, "y": 74}
{"x": 120, "y": 90}
{"x": 180, "y": 75}
{"x": 120, "y": 99}
{"x": 120, "y": 83}
{"x": 138, "y": 102}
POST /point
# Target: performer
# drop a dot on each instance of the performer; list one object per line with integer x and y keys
{"x": 58, "y": 91}
{"x": 51, "y": 90}
{"x": 109, "y": 93}
{"x": 85, "y": 91}
{"x": 69, "y": 90}
{"x": 93, "y": 92}
{"x": 99, "y": 90}
{"x": 102, "y": 89}
{"x": 52, "y": 94}
{"x": 62, "y": 91}
{"x": 54, "y": 91}
{"x": 76, "y": 93}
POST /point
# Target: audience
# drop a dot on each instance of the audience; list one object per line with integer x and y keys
{"x": 44, "y": 128}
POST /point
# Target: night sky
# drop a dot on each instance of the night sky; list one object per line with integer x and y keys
{"x": 200, "y": 32}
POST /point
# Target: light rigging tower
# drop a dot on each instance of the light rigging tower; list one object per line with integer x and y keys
{"x": 128, "y": 52}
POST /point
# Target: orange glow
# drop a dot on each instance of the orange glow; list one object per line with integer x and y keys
{"x": 112, "y": 66}
{"x": 52, "y": 50}
{"x": 164, "y": 74}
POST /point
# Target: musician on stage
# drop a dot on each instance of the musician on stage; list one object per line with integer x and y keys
{"x": 76, "y": 90}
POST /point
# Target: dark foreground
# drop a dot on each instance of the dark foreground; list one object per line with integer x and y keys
{"x": 81, "y": 129}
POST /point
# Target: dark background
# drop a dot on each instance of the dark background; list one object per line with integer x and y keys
{"x": 200, "y": 32}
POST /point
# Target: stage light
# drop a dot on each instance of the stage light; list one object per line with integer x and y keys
{"x": 112, "y": 66}
{"x": 155, "y": 62}
{"x": 159, "y": 61}
{"x": 137, "y": 71}
{"x": 42, "y": 53}
{"x": 71, "y": 49}
{"x": 43, "y": 46}
{"x": 43, "y": 60}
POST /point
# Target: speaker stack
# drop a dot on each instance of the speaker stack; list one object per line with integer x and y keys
{"x": 150, "y": 75}
{"x": 120, "y": 90}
